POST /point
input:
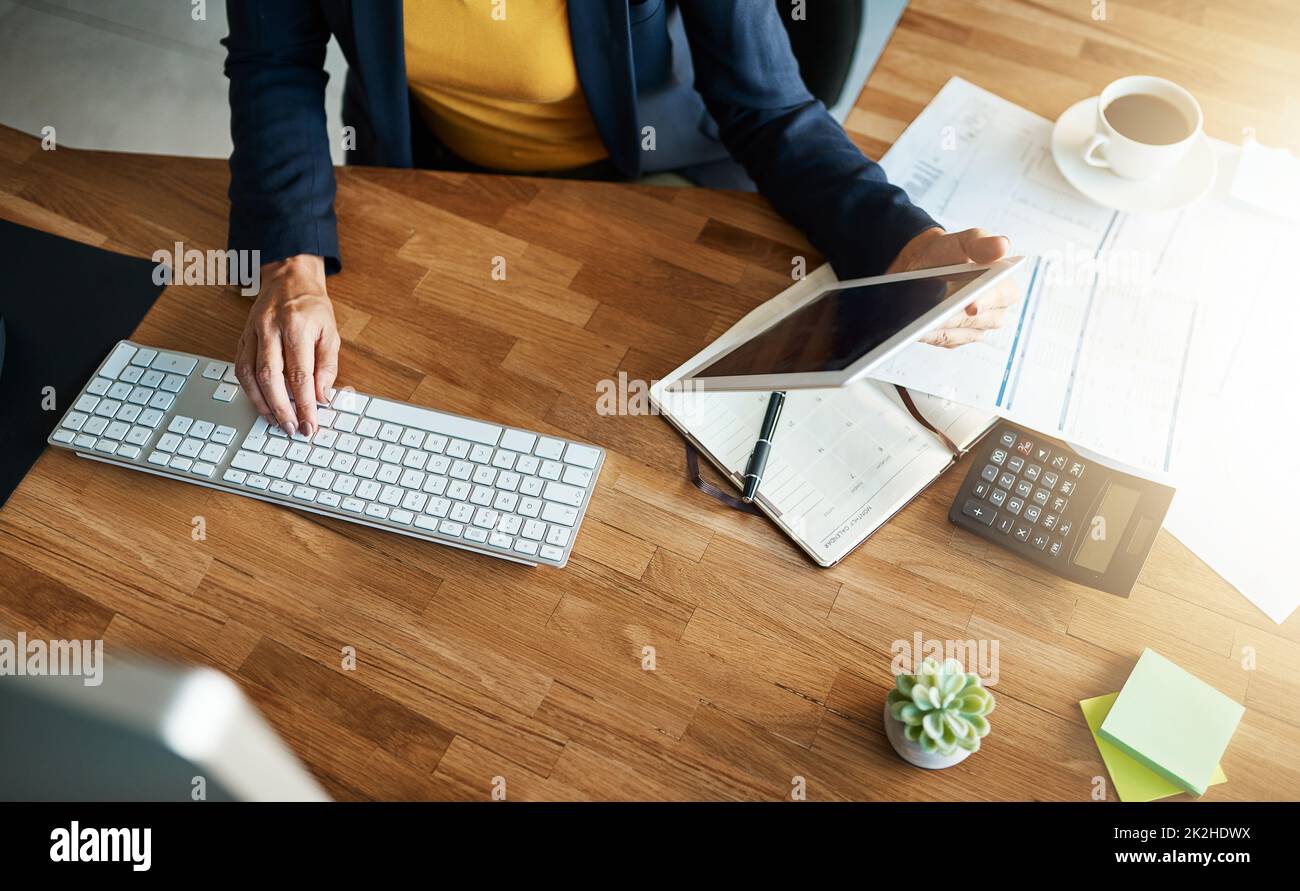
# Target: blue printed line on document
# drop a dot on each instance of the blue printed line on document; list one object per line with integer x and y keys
{"x": 1178, "y": 393}
{"x": 1015, "y": 342}
{"x": 1078, "y": 351}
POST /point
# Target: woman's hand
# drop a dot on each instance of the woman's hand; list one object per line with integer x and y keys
{"x": 934, "y": 247}
{"x": 290, "y": 344}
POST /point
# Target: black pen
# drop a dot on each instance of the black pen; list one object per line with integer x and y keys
{"x": 758, "y": 458}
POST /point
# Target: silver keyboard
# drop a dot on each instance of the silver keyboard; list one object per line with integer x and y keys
{"x": 453, "y": 480}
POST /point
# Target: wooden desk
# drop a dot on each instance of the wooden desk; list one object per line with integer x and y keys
{"x": 766, "y": 668}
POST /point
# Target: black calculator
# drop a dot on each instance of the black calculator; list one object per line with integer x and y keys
{"x": 1075, "y": 517}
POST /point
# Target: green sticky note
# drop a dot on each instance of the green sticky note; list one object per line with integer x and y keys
{"x": 1132, "y": 781}
{"x": 1171, "y": 722}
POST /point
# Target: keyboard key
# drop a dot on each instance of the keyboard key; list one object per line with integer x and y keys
{"x": 179, "y": 462}
{"x": 151, "y": 379}
{"x": 117, "y": 360}
{"x": 150, "y": 417}
{"x": 203, "y": 468}
{"x": 349, "y": 401}
{"x": 119, "y": 391}
{"x": 524, "y": 546}
{"x": 480, "y": 454}
{"x": 581, "y": 455}
{"x": 1015, "y": 464}
{"x": 63, "y": 435}
{"x": 998, "y": 497}
{"x": 989, "y": 473}
{"x": 189, "y": 447}
{"x": 161, "y": 400}
{"x": 569, "y": 495}
{"x": 558, "y": 513}
{"x": 180, "y": 424}
{"x": 998, "y": 457}
{"x": 500, "y": 540}
{"x": 276, "y": 467}
{"x": 518, "y": 441}
{"x": 548, "y": 552}
{"x": 412, "y": 438}
{"x": 305, "y": 493}
{"x": 404, "y": 517}
{"x": 328, "y": 499}
{"x": 173, "y": 383}
{"x": 1075, "y": 469}
{"x": 173, "y": 364}
{"x": 1022, "y": 532}
{"x": 234, "y": 476}
{"x": 550, "y": 449}
{"x": 249, "y": 461}
{"x": 201, "y": 429}
{"x": 1041, "y": 454}
{"x": 225, "y": 392}
{"x": 281, "y": 487}
{"x": 214, "y": 370}
{"x": 159, "y": 458}
{"x": 577, "y": 476}
{"x": 143, "y": 357}
{"x": 476, "y": 535}
{"x": 131, "y": 374}
{"x": 551, "y": 470}
{"x": 74, "y": 420}
{"x": 457, "y": 448}
{"x": 353, "y": 505}
{"x": 557, "y": 536}
{"x": 168, "y": 442}
{"x": 1039, "y": 540}
{"x": 1050, "y": 480}
{"x": 95, "y": 425}
{"x": 447, "y": 527}
{"x": 1032, "y": 472}
{"x": 1032, "y": 513}
{"x": 1007, "y": 438}
{"x": 1004, "y": 523}
{"x": 1056, "y": 548}
{"x": 1015, "y": 505}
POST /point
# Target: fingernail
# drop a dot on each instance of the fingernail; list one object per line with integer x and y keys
{"x": 307, "y": 428}
{"x": 289, "y": 428}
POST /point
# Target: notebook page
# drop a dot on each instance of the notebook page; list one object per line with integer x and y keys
{"x": 843, "y": 460}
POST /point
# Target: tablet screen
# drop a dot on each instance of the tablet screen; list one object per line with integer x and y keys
{"x": 839, "y": 327}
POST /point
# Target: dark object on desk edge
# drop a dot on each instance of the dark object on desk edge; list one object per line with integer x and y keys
{"x": 64, "y": 305}
{"x": 1037, "y": 497}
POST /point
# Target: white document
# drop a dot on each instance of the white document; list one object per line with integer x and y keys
{"x": 843, "y": 461}
{"x": 1163, "y": 340}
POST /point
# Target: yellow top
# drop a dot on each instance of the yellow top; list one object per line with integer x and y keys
{"x": 495, "y": 80}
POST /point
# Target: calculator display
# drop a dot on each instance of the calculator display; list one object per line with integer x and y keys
{"x": 1102, "y": 536}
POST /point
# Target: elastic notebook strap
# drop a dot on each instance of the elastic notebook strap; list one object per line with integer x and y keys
{"x": 920, "y": 419}
{"x": 693, "y": 474}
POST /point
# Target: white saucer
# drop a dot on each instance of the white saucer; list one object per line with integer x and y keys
{"x": 1175, "y": 188}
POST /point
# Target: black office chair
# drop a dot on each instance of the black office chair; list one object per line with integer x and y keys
{"x": 837, "y": 44}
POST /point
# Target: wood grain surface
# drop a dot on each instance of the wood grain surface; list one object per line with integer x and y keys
{"x": 766, "y": 668}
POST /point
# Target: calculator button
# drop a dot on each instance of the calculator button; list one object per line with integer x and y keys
{"x": 1041, "y": 496}
{"x": 1063, "y": 530}
{"x": 1032, "y": 512}
{"x": 1008, "y": 438}
{"x": 1004, "y": 523}
{"x": 1033, "y": 472}
{"x": 989, "y": 473}
{"x": 1015, "y": 505}
{"x": 1048, "y": 521}
{"x": 980, "y": 490}
{"x": 998, "y": 457}
{"x": 1024, "y": 488}
{"x": 1039, "y": 540}
{"x": 1025, "y": 446}
{"x": 1056, "y": 548}
{"x": 1058, "y": 461}
{"x": 1007, "y": 480}
{"x": 1076, "y": 469}
{"x": 1041, "y": 454}
{"x": 977, "y": 511}
{"x": 1022, "y": 531}
{"x": 1015, "y": 464}
{"x": 998, "y": 497}
{"x": 1059, "y": 503}
{"x": 1050, "y": 480}
{"x": 1067, "y": 487}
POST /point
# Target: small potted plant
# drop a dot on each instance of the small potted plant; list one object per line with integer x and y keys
{"x": 935, "y": 718}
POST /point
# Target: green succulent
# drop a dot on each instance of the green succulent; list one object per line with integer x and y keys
{"x": 941, "y": 708}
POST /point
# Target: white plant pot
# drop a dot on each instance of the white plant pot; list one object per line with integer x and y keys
{"x": 912, "y": 753}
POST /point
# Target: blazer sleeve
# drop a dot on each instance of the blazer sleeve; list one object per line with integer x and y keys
{"x": 798, "y": 155}
{"x": 281, "y": 177}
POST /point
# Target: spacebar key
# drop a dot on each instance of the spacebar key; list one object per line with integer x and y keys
{"x": 433, "y": 421}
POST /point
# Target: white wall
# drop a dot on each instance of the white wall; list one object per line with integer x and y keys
{"x": 125, "y": 75}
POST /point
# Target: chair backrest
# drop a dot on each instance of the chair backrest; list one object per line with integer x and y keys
{"x": 824, "y": 41}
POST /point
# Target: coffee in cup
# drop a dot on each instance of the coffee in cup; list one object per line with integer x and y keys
{"x": 1145, "y": 125}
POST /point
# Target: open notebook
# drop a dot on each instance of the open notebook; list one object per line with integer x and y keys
{"x": 843, "y": 460}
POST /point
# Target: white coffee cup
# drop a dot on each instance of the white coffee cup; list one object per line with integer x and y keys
{"x": 1130, "y": 157}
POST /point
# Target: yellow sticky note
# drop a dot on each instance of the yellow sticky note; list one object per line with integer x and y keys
{"x": 1133, "y": 780}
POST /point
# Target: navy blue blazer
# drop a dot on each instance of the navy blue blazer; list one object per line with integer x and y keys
{"x": 738, "y": 83}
